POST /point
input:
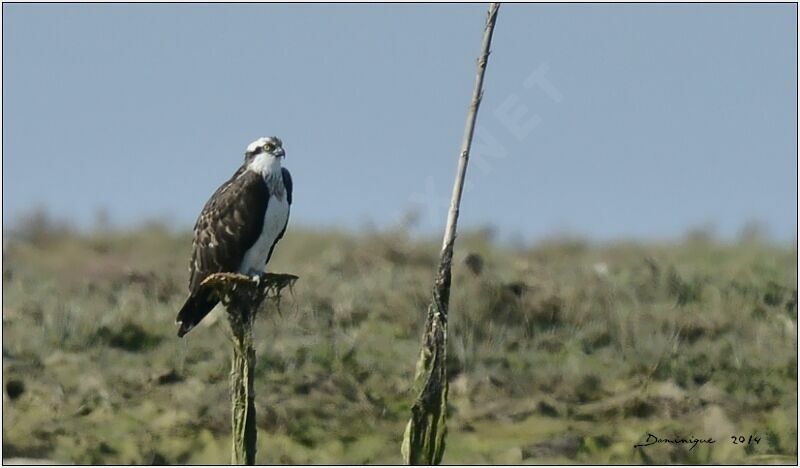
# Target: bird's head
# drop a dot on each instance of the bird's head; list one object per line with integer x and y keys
{"x": 264, "y": 149}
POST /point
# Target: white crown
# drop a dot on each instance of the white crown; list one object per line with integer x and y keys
{"x": 261, "y": 141}
{"x": 258, "y": 143}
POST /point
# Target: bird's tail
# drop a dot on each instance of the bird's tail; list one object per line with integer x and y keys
{"x": 194, "y": 310}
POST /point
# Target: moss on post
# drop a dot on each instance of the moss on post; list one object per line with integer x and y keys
{"x": 424, "y": 437}
{"x": 242, "y": 297}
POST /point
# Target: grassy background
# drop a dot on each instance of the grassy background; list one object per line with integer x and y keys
{"x": 561, "y": 352}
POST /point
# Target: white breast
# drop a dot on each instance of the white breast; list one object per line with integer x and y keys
{"x": 255, "y": 259}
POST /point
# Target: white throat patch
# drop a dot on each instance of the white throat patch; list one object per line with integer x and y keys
{"x": 264, "y": 164}
{"x": 269, "y": 168}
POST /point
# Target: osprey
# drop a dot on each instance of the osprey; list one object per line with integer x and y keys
{"x": 239, "y": 226}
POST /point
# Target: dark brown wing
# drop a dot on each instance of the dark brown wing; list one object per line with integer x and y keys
{"x": 229, "y": 224}
{"x": 287, "y": 183}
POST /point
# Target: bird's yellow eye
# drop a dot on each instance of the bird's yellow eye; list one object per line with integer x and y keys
{"x": 269, "y": 146}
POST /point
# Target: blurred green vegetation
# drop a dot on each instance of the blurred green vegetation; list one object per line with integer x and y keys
{"x": 560, "y": 352}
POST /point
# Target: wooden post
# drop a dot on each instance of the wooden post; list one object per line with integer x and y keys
{"x": 242, "y": 296}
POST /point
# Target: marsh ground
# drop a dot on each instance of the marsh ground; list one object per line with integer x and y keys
{"x": 560, "y": 352}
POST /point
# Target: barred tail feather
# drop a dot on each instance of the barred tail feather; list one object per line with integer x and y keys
{"x": 197, "y": 306}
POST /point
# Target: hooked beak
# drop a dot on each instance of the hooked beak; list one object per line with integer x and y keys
{"x": 280, "y": 153}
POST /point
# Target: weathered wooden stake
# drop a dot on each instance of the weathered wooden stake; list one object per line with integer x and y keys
{"x": 242, "y": 296}
{"x": 424, "y": 438}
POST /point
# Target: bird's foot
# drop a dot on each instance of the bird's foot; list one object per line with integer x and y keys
{"x": 255, "y": 275}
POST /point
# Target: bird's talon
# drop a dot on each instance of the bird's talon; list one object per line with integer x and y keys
{"x": 255, "y": 276}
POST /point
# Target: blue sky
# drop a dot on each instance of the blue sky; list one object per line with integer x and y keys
{"x": 606, "y": 121}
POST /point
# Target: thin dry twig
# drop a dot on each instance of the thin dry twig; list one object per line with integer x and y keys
{"x": 424, "y": 438}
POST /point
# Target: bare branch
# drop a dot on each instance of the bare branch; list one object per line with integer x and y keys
{"x": 424, "y": 438}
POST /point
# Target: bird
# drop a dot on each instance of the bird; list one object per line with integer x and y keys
{"x": 239, "y": 226}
